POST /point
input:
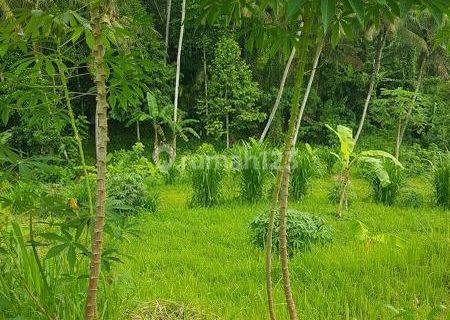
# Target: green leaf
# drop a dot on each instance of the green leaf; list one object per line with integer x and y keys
{"x": 358, "y": 8}
{"x": 346, "y": 140}
{"x": 49, "y": 68}
{"x": 89, "y": 38}
{"x": 56, "y": 250}
{"x": 152, "y": 105}
{"x": 294, "y": 8}
{"x": 328, "y": 8}
{"x": 5, "y": 115}
{"x": 381, "y": 154}
{"x": 76, "y": 34}
{"x": 53, "y": 236}
{"x": 378, "y": 168}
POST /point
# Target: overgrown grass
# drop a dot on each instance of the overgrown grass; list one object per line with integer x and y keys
{"x": 442, "y": 181}
{"x": 203, "y": 258}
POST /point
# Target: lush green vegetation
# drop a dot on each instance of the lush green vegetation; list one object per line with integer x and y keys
{"x": 210, "y": 159}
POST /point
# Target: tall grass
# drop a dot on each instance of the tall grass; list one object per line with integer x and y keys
{"x": 254, "y": 170}
{"x": 304, "y": 168}
{"x": 26, "y": 293}
{"x": 441, "y": 181}
{"x": 207, "y": 171}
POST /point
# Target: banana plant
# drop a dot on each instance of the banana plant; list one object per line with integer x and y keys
{"x": 161, "y": 116}
{"x": 349, "y": 158}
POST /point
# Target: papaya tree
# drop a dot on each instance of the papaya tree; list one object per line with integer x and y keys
{"x": 99, "y": 13}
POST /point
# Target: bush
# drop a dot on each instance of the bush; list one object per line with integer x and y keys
{"x": 303, "y": 231}
{"x": 387, "y": 194}
{"x": 128, "y": 192}
{"x": 35, "y": 198}
{"x": 254, "y": 170}
{"x": 206, "y": 171}
{"x": 305, "y": 166}
{"x": 134, "y": 161}
{"x": 326, "y": 156}
{"x": 441, "y": 181}
{"x": 417, "y": 160}
{"x": 410, "y": 198}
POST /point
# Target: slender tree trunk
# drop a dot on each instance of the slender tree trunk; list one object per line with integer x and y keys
{"x": 177, "y": 77}
{"x": 373, "y": 80}
{"x": 138, "y": 131}
{"x": 205, "y": 70}
{"x": 155, "y": 144}
{"x": 285, "y": 162}
{"x": 279, "y": 96}
{"x": 402, "y": 128}
{"x": 227, "y": 125}
{"x": 98, "y": 52}
{"x": 308, "y": 88}
{"x": 343, "y": 199}
{"x": 75, "y": 131}
{"x": 169, "y": 10}
{"x": 397, "y": 139}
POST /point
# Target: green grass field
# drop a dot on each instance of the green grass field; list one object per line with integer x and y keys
{"x": 202, "y": 258}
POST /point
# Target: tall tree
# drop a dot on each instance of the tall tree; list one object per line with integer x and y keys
{"x": 168, "y": 15}
{"x": 376, "y": 69}
{"x": 279, "y": 96}
{"x": 177, "y": 76}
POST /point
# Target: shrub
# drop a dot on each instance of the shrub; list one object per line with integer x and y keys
{"x": 410, "y": 198}
{"x": 126, "y": 190}
{"x": 386, "y": 194}
{"x": 206, "y": 171}
{"x": 326, "y": 156}
{"x": 305, "y": 167}
{"x": 441, "y": 181}
{"x": 303, "y": 231}
{"x": 417, "y": 160}
{"x": 35, "y": 198}
{"x": 132, "y": 179}
{"x": 254, "y": 170}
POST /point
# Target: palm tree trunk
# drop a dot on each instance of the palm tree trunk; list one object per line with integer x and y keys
{"x": 138, "y": 131}
{"x": 410, "y": 109}
{"x": 205, "y": 70}
{"x": 76, "y": 133}
{"x": 279, "y": 96}
{"x": 373, "y": 80}
{"x": 98, "y": 52}
{"x": 285, "y": 163}
{"x": 308, "y": 88}
{"x": 177, "y": 77}
{"x": 169, "y": 9}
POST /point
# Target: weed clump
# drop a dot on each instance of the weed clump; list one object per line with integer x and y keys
{"x": 303, "y": 231}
